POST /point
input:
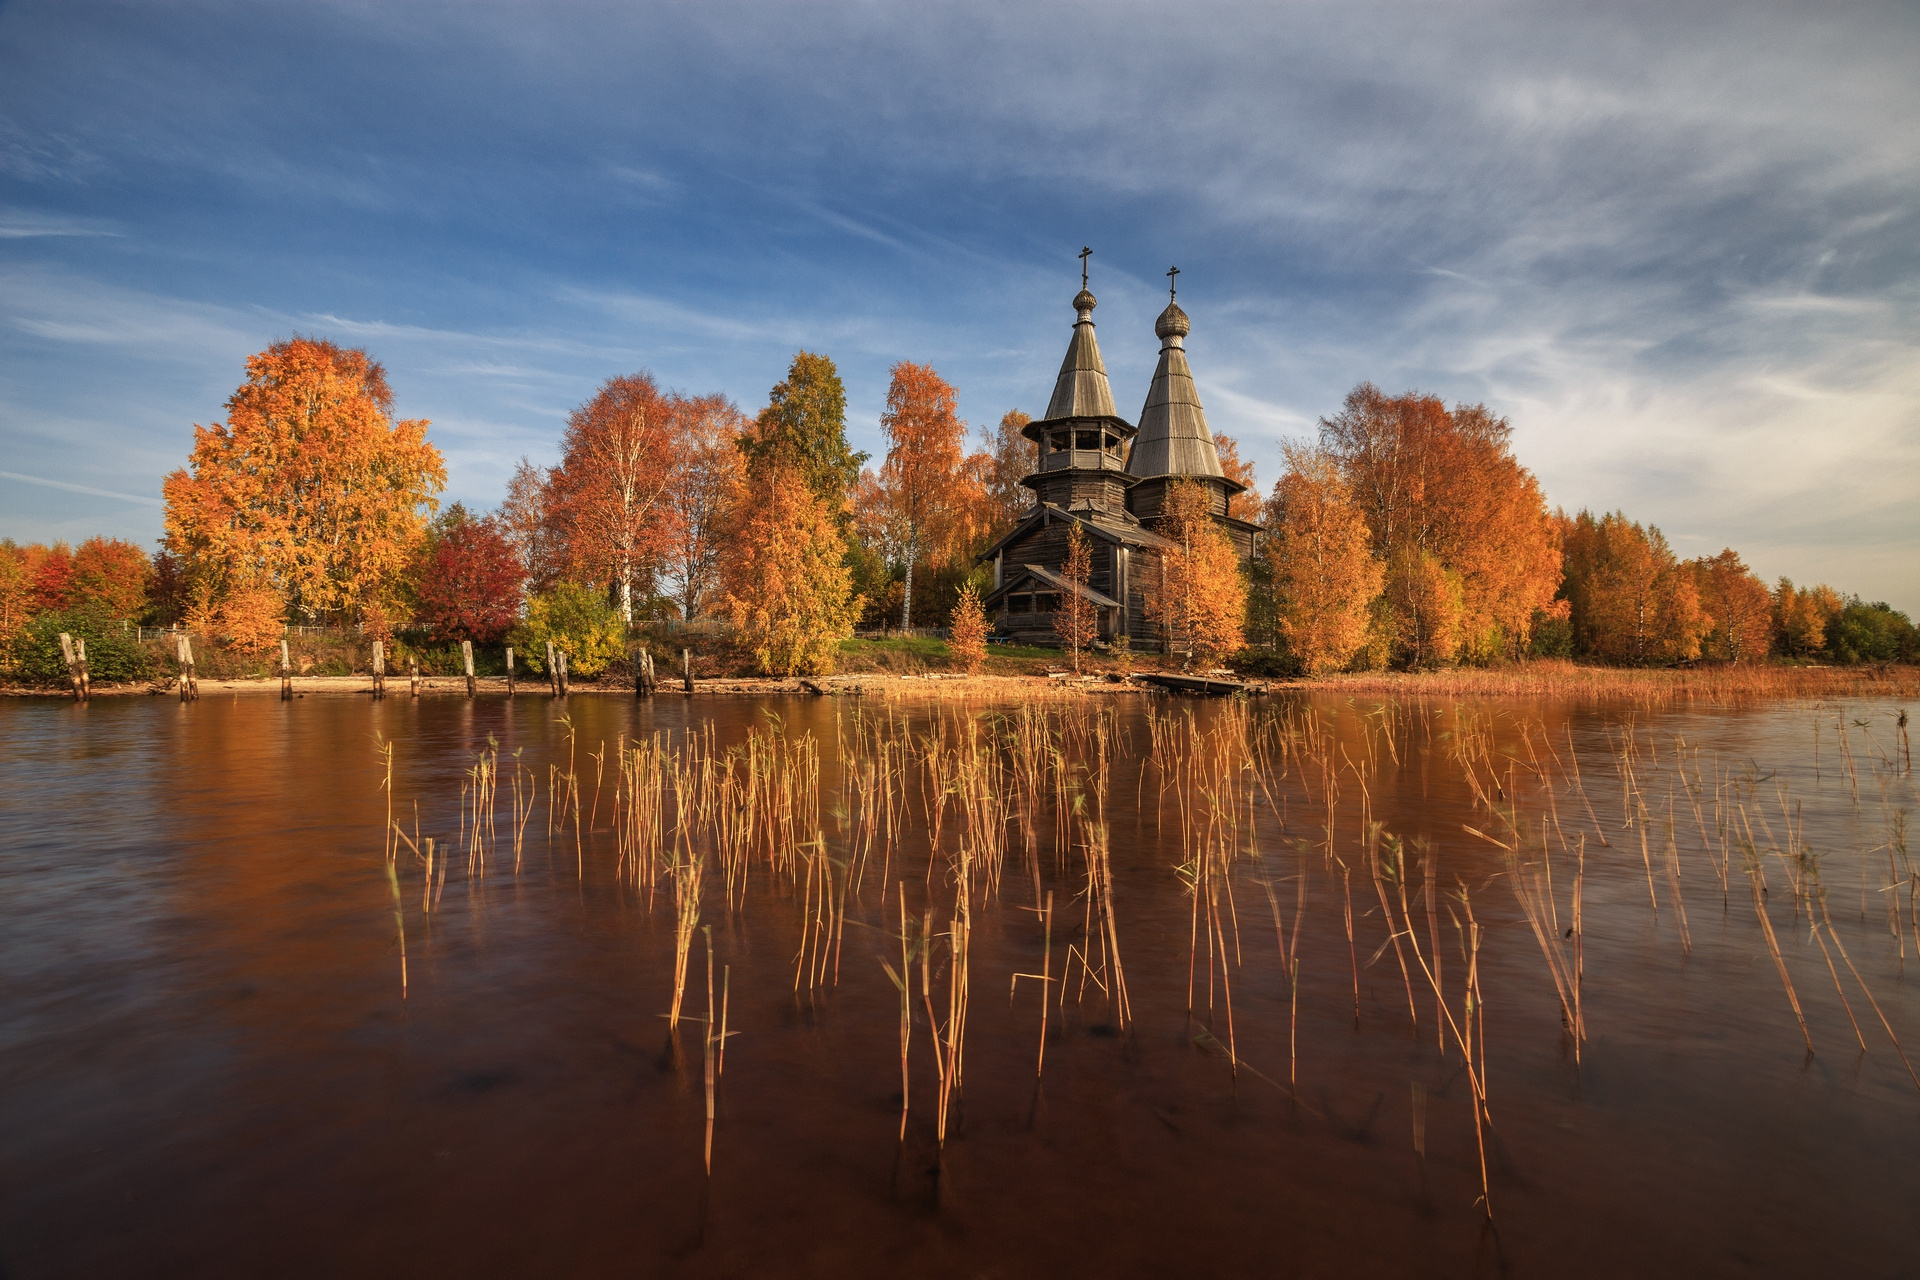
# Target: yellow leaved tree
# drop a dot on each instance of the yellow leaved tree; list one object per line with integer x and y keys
{"x": 1325, "y": 574}
{"x": 968, "y": 630}
{"x": 309, "y": 490}
{"x": 788, "y": 591}
{"x": 1201, "y": 600}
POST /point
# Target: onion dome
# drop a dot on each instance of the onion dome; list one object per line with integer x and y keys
{"x": 1173, "y": 440}
{"x": 1082, "y": 390}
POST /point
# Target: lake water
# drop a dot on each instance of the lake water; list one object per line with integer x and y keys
{"x": 208, "y": 1064}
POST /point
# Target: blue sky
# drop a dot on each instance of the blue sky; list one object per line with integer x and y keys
{"x": 1677, "y": 245}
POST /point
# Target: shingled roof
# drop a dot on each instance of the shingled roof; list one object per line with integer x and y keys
{"x": 1081, "y": 390}
{"x": 1173, "y": 439}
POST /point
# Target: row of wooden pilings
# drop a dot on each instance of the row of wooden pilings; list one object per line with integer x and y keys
{"x": 644, "y": 681}
{"x": 74, "y": 650}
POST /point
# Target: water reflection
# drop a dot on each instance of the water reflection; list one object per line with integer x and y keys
{"x": 209, "y": 1065}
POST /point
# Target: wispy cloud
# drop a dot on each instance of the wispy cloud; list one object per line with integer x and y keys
{"x": 16, "y": 224}
{"x": 44, "y": 482}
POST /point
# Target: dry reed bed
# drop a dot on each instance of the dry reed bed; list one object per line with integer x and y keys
{"x": 936, "y": 810}
{"x": 1571, "y": 682}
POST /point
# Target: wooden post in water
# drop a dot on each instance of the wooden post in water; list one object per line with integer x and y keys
{"x": 466, "y": 655}
{"x": 413, "y": 676}
{"x": 379, "y": 670}
{"x": 183, "y": 653}
{"x": 86, "y": 681}
{"x": 553, "y": 672}
{"x": 509, "y": 671}
{"x": 73, "y": 665}
{"x": 561, "y": 670}
{"x": 286, "y": 673}
{"x": 642, "y": 673}
{"x": 686, "y": 669}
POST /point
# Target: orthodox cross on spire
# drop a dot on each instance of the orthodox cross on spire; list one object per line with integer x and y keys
{"x": 1171, "y": 273}
{"x": 1085, "y": 253}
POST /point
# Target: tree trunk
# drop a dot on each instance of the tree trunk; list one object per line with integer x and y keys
{"x": 906, "y": 597}
{"x": 626, "y": 591}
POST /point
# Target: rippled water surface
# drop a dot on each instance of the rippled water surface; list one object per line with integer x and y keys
{"x": 208, "y": 1064}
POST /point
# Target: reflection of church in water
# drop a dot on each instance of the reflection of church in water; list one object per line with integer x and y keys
{"x": 1109, "y": 477}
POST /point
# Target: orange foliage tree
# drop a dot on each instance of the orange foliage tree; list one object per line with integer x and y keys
{"x": 1075, "y": 621}
{"x": 708, "y": 474}
{"x": 1802, "y": 617}
{"x": 1738, "y": 606}
{"x": 252, "y": 617}
{"x": 1200, "y": 602}
{"x": 605, "y": 499}
{"x": 16, "y": 598}
{"x": 923, "y": 491}
{"x": 1631, "y": 600}
{"x": 1246, "y": 504}
{"x": 50, "y": 572}
{"x": 469, "y": 580}
{"x": 309, "y": 489}
{"x": 1325, "y": 574}
{"x": 1470, "y": 550}
{"x": 788, "y": 591}
{"x": 968, "y": 630}
{"x": 1009, "y": 458}
{"x": 1424, "y": 608}
{"x": 527, "y": 522}
{"x": 111, "y": 573}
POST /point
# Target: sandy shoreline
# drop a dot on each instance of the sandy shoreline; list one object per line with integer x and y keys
{"x": 1553, "y": 681}
{"x": 850, "y": 685}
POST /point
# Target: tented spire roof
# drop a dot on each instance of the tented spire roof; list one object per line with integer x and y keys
{"x": 1081, "y": 391}
{"x": 1173, "y": 439}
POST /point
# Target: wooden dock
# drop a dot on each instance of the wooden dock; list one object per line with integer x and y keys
{"x": 1206, "y": 686}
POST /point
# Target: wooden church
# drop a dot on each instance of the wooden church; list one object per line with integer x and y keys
{"x": 1110, "y": 477}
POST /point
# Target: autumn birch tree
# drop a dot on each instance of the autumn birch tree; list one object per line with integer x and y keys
{"x": 1801, "y": 617}
{"x": 709, "y": 473}
{"x": 1202, "y": 599}
{"x": 1470, "y": 550}
{"x": 1011, "y": 457}
{"x": 610, "y": 486}
{"x": 1325, "y": 574}
{"x": 309, "y": 490}
{"x": 1738, "y": 607}
{"x": 1630, "y": 599}
{"x": 921, "y": 481}
{"x": 526, "y": 520}
{"x": 1246, "y": 504}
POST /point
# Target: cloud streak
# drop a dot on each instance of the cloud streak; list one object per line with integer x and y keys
{"x": 79, "y": 488}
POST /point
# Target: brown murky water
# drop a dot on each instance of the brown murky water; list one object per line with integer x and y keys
{"x": 207, "y": 1066}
